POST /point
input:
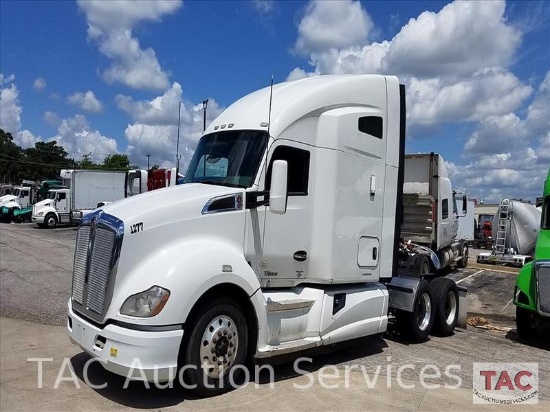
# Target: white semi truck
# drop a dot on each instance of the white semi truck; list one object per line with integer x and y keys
{"x": 285, "y": 237}
{"x": 87, "y": 188}
{"x": 431, "y": 216}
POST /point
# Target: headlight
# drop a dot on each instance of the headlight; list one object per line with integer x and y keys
{"x": 146, "y": 304}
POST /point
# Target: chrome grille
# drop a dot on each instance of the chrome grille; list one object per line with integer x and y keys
{"x": 79, "y": 268}
{"x": 97, "y": 250}
{"x": 100, "y": 267}
{"x": 543, "y": 282}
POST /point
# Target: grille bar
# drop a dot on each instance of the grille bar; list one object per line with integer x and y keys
{"x": 543, "y": 281}
{"x": 100, "y": 268}
{"x": 80, "y": 258}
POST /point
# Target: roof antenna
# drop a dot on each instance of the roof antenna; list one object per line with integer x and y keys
{"x": 270, "y": 99}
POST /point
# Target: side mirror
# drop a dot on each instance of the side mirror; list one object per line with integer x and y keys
{"x": 278, "y": 192}
{"x": 464, "y": 204}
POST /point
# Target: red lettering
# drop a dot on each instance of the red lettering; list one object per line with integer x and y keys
{"x": 488, "y": 375}
{"x": 517, "y": 381}
{"x": 504, "y": 380}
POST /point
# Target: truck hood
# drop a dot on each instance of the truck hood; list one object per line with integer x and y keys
{"x": 4, "y": 200}
{"x": 164, "y": 206}
{"x": 44, "y": 203}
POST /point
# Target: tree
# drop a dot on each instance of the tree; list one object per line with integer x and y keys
{"x": 116, "y": 162}
{"x": 86, "y": 163}
{"x": 45, "y": 160}
{"x": 10, "y": 157}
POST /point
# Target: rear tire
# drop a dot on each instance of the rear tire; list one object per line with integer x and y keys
{"x": 50, "y": 221}
{"x": 446, "y": 306}
{"x": 524, "y": 324}
{"x": 219, "y": 339}
{"x": 417, "y": 325}
{"x": 462, "y": 263}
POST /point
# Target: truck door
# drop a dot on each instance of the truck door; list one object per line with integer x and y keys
{"x": 286, "y": 244}
{"x": 61, "y": 202}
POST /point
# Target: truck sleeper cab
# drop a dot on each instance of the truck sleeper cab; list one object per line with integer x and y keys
{"x": 283, "y": 238}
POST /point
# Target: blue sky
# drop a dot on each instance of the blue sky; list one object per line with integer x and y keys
{"x": 105, "y": 77}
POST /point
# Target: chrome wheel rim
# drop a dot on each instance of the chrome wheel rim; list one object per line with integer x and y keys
{"x": 219, "y": 346}
{"x": 450, "y": 308}
{"x": 424, "y": 311}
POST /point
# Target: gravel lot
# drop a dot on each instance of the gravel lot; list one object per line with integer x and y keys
{"x": 35, "y": 283}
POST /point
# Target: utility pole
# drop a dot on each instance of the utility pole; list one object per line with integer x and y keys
{"x": 178, "y": 143}
{"x": 204, "y": 105}
{"x": 148, "y": 156}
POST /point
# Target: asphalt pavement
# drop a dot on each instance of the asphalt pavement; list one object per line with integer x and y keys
{"x": 375, "y": 373}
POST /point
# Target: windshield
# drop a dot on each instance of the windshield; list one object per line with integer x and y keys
{"x": 228, "y": 158}
{"x": 51, "y": 195}
{"x": 17, "y": 192}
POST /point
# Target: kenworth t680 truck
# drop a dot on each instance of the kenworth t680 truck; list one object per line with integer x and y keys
{"x": 285, "y": 236}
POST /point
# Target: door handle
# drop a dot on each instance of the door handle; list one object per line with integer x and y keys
{"x": 300, "y": 255}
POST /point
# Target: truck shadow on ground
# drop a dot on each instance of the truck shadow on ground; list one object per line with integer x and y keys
{"x": 538, "y": 342}
{"x": 140, "y": 395}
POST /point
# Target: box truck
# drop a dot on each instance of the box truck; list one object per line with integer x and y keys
{"x": 87, "y": 189}
{"x": 284, "y": 237}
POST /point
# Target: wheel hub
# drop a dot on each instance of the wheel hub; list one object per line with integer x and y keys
{"x": 219, "y": 346}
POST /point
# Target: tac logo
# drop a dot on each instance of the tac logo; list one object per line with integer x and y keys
{"x": 506, "y": 383}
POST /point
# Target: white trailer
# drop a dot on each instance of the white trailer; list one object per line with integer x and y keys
{"x": 284, "y": 237}
{"x": 88, "y": 188}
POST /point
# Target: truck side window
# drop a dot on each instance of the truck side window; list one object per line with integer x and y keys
{"x": 298, "y": 169}
{"x": 372, "y": 125}
{"x": 545, "y": 221}
{"x": 61, "y": 196}
{"x": 445, "y": 209}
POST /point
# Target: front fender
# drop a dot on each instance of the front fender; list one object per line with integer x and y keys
{"x": 525, "y": 289}
{"x": 45, "y": 210}
{"x": 187, "y": 269}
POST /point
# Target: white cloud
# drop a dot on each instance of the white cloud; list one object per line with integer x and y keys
{"x": 155, "y": 126}
{"x": 25, "y": 139}
{"x": 10, "y": 108}
{"x": 489, "y": 92}
{"x": 52, "y": 119}
{"x": 78, "y": 139}
{"x": 86, "y": 101}
{"x": 39, "y": 84}
{"x": 110, "y": 24}
{"x": 332, "y": 25}
{"x": 463, "y": 37}
{"x": 162, "y": 110}
{"x": 263, "y": 7}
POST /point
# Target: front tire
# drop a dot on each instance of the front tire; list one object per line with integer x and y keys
{"x": 462, "y": 263}
{"x": 50, "y": 221}
{"x": 217, "y": 345}
{"x": 524, "y": 324}
{"x": 417, "y": 325}
{"x": 446, "y": 305}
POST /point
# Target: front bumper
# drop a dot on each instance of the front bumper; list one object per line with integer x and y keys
{"x": 134, "y": 354}
{"x": 37, "y": 219}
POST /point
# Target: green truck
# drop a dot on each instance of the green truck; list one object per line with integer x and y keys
{"x": 532, "y": 291}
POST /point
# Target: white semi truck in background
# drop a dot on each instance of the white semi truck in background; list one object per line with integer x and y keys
{"x": 286, "y": 236}
{"x": 86, "y": 189}
{"x": 431, "y": 216}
